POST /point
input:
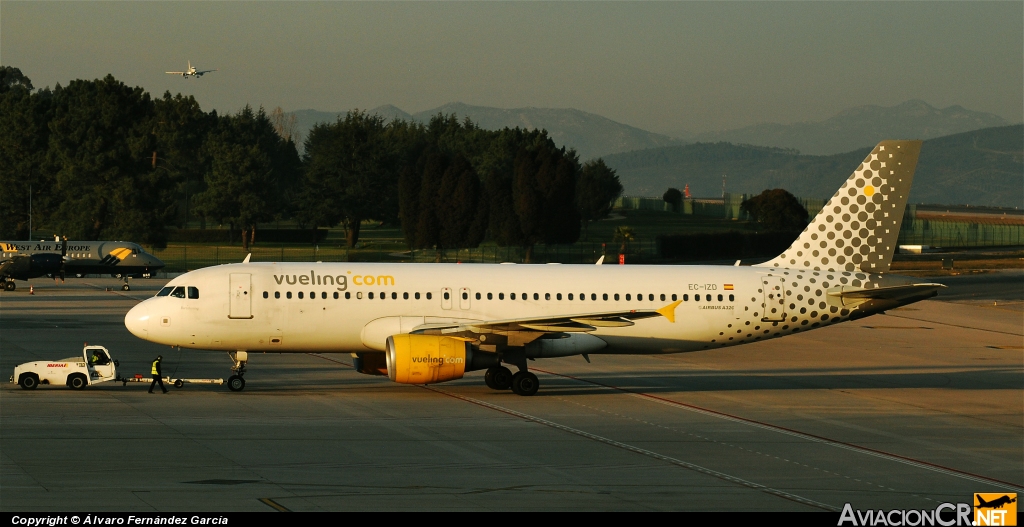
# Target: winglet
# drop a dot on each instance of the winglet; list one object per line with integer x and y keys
{"x": 600, "y": 260}
{"x": 669, "y": 311}
{"x": 247, "y": 258}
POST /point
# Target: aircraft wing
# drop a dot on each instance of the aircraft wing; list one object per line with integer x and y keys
{"x": 175, "y": 72}
{"x": 204, "y": 71}
{"x": 580, "y": 322}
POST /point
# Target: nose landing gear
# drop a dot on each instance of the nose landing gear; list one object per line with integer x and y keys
{"x": 236, "y": 382}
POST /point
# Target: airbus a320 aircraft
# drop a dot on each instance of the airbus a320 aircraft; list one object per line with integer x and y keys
{"x": 427, "y": 323}
{"x": 24, "y": 260}
{"x": 190, "y": 72}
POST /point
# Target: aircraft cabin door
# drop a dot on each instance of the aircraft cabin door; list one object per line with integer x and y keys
{"x": 240, "y": 302}
{"x": 774, "y": 289}
{"x": 446, "y": 298}
{"x": 464, "y": 298}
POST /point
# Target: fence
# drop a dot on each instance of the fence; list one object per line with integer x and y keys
{"x": 180, "y": 258}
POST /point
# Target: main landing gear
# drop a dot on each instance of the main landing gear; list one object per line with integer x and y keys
{"x": 124, "y": 277}
{"x": 9, "y": 285}
{"x": 501, "y": 378}
{"x": 235, "y": 382}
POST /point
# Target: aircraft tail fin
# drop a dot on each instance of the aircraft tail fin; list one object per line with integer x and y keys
{"x": 858, "y": 228}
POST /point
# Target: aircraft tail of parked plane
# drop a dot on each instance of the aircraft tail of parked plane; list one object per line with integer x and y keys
{"x": 424, "y": 323}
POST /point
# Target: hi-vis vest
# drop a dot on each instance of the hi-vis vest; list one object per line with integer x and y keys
{"x": 154, "y": 367}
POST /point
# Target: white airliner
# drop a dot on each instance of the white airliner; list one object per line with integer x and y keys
{"x": 425, "y": 323}
{"x": 190, "y": 72}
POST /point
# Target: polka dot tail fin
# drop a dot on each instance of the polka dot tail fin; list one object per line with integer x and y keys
{"x": 858, "y": 227}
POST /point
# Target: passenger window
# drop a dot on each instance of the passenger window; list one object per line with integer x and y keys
{"x": 650, "y": 297}
{"x": 394, "y": 296}
{"x": 719, "y": 298}
{"x": 266, "y": 294}
{"x": 429, "y": 295}
{"x": 465, "y": 295}
{"x": 383, "y": 295}
{"x": 324, "y": 295}
{"x": 490, "y": 296}
{"x": 370, "y": 296}
{"x": 616, "y": 296}
{"x": 501, "y": 296}
{"x": 547, "y": 296}
{"x": 570, "y": 296}
{"x": 628, "y": 297}
{"x": 673, "y": 298}
{"x": 446, "y": 295}
{"x": 193, "y": 293}
{"x": 359, "y": 295}
{"x": 405, "y": 296}
{"x": 277, "y": 294}
{"x": 165, "y": 291}
{"x": 512, "y": 296}
{"x": 300, "y": 295}
{"x": 686, "y": 298}
{"x": 335, "y": 295}
{"x": 731, "y": 298}
{"x": 289, "y": 294}
{"x": 179, "y": 292}
{"x": 593, "y": 296}
{"x": 559, "y": 296}
{"x": 605, "y": 296}
{"x": 348, "y": 296}
{"x": 478, "y": 296}
{"x": 535, "y": 296}
{"x": 662, "y": 297}
{"x": 417, "y": 296}
{"x": 696, "y": 298}
{"x": 707, "y": 297}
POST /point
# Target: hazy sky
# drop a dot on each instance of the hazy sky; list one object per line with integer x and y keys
{"x": 661, "y": 66}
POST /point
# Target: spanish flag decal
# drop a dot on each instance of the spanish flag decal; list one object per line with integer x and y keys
{"x": 728, "y": 287}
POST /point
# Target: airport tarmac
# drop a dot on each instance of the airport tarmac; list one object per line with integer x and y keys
{"x": 908, "y": 409}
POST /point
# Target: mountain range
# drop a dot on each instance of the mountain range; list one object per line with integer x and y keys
{"x": 981, "y": 167}
{"x": 857, "y": 127}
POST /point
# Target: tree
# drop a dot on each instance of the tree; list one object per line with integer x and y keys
{"x": 776, "y": 210}
{"x": 180, "y": 128}
{"x": 355, "y": 162}
{"x": 24, "y": 137}
{"x": 673, "y": 197}
{"x": 250, "y": 166}
{"x": 286, "y": 125}
{"x": 100, "y": 151}
{"x": 596, "y": 191}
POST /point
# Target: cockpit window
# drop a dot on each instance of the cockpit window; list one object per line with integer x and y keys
{"x": 193, "y": 292}
{"x": 165, "y": 291}
{"x": 179, "y": 292}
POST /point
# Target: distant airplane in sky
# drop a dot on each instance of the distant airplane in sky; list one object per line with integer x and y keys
{"x": 190, "y": 72}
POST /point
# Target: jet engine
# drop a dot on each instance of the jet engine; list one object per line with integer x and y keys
{"x": 425, "y": 359}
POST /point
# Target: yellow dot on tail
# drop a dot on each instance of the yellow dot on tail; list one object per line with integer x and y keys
{"x": 869, "y": 190}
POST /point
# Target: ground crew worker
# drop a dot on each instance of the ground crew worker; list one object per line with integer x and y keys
{"x": 157, "y": 375}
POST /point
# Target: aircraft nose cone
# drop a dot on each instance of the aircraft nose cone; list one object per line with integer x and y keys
{"x": 137, "y": 320}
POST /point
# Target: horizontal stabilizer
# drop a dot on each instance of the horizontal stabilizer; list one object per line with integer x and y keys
{"x": 900, "y": 292}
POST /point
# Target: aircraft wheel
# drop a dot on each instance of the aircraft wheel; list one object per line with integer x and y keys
{"x": 126, "y": 288}
{"x": 498, "y": 378}
{"x": 77, "y": 381}
{"x": 10, "y": 286}
{"x": 236, "y": 383}
{"x": 525, "y": 383}
{"x": 178, "y": 383}
{"x": 28, "y": 381}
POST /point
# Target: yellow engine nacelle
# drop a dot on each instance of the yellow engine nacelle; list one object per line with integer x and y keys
{"x": 425, "y": 359}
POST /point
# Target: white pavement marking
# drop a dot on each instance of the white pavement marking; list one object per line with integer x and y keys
{"x": 641, "y": 451}
{"x": 793, "y": 433}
